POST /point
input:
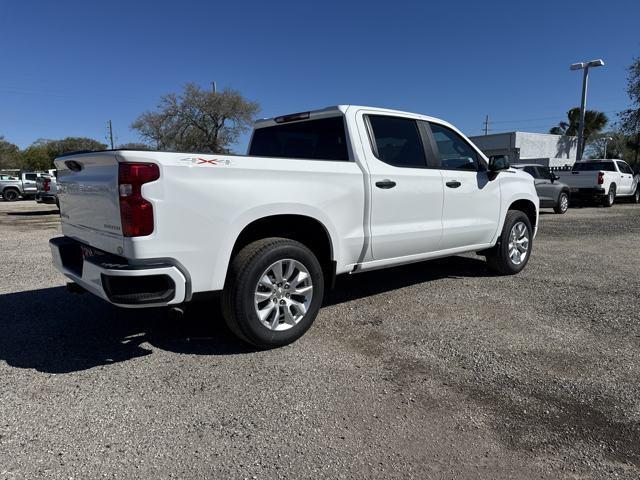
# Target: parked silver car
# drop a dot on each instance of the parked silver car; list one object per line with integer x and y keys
{"x": 552, "y": 193}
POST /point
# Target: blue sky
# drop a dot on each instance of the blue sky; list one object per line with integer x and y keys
{"x": 69, "y": 66}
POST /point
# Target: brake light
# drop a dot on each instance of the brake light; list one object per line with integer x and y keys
{"x": 600, "y": 178}
{"x": 46, "y": 184}
{"x": 136, "y": 213}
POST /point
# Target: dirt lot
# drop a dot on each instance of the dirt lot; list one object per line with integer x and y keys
{"x": 437, "y": 370}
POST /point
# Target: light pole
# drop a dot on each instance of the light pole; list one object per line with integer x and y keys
{"x": 606, "y": 140}
{"x": 584, "y": 66}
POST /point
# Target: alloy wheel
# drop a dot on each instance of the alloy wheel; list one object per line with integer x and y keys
{"x": 283, "y": 294}
{"x": 518, "y": 243}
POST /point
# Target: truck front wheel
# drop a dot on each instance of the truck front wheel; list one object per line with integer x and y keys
{"x": 273, "y": 292}
{"x": 512, "y": 252}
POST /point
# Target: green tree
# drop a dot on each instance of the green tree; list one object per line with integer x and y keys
{"x": 55, "y": 148}
{"x": 630, "y": 118}
{"x": 9, "y": 154}
{"x": 197, "y": 120}
{"x": 612, "y": 144}
{"x": 35, "y": 157}
{"x": 134, "y": 146}
{"x": 594, "y": 123}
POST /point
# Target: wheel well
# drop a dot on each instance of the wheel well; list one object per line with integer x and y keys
{"x": 11, "y": 188}
{"x": 306, "y": 230}
{"x": 528, "y": 208}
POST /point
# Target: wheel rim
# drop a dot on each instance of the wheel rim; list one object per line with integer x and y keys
{"x": 518, "y": 243}
{"x": 11, "y": 195}
{"x": 283, "y": 294}
{"x": 564, "y": 203}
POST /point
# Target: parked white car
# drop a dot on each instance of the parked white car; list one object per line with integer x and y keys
{"x": 602, "y": 180}
{"x": 336, "y": 191}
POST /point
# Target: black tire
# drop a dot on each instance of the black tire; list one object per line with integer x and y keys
{"x": 244, "y": 273}
{"x": 610, "y": 198}
{"x": 498, "y": 258}
{"x": 635, "y": 198}
{"x": 10, "y": 194}
{"x": 562, "y": 206}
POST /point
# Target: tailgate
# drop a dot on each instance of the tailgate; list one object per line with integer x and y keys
{"x": 88, "y": 194}
{"x": 578, "y": 179}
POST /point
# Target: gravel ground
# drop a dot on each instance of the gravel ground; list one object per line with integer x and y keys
{"x": 436, "y": 370}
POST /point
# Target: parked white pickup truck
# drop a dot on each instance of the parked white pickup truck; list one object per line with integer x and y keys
{"x": 341, "y": 190}
{"x": 602, "y": 180}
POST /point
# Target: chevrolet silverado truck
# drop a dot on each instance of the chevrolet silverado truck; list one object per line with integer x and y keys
{"x": 47, "y": 189}
{"x": 342, "y": 190}
{"x": 602, "y": 180}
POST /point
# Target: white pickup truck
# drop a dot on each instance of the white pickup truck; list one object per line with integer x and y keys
{"x": 602, "y": 180}
{"x": 336, "y": 191}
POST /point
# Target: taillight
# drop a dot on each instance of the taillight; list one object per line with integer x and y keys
{"x": 46, "y": 184}
{"x": 600, "y": 178}
{"x": 136, "y": 213}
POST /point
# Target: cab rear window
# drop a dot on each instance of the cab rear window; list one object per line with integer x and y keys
{"x": 594, "y": 167}
{"x": 322, "y": 139}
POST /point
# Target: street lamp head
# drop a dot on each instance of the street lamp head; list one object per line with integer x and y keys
{"x": 577, "y": 66}
{"x": 596, "y": 63}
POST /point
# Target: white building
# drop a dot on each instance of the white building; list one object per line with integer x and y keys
{"x": 525, "y": 147}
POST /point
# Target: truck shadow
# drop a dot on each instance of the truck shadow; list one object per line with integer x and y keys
{"x": 53, "y": 331}
{"x": 33, "y": 213}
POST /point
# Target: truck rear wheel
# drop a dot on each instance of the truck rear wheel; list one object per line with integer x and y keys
{"x": 512, "y": 252}
{"x": 610, "y": 199}
{"x": 273, "y": 292}
{"x": 10, "y": 194}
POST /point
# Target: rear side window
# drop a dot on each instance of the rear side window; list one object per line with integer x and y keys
{"x": 397, "y": 141}
{"x": 31, "y": 176}
{"x": 323, "y": 139}
{"x": 531, "y": 171}
{"x": 594, "y": 167}
{"x": 624, "y": 168}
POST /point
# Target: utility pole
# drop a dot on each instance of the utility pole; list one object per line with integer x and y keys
{"x": 486, "y": 125}
{"x": 110, "y": 134}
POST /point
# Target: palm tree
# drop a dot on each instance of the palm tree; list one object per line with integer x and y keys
{"x": 594, "y": 123}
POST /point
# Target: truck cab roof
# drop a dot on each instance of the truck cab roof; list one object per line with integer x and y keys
{"x": 336, "y": 110}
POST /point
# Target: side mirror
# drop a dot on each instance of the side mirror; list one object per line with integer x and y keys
{"x": 498, "y": 163}
{"x": 554, "y": 177}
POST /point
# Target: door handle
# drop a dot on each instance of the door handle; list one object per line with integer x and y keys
{"x": 453, "y": 184}
{"x": 385, "y": 184}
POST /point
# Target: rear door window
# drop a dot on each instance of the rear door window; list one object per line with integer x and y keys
{"x": 624, "y": 168}
{"x": 322, "y": 139}
{"x": 397, "y": 141}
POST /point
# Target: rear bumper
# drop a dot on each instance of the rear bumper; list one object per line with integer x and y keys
{"x": 45, "y": 198}
{"x": 116, "y": 280}
{"x": 587, "y": 192}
